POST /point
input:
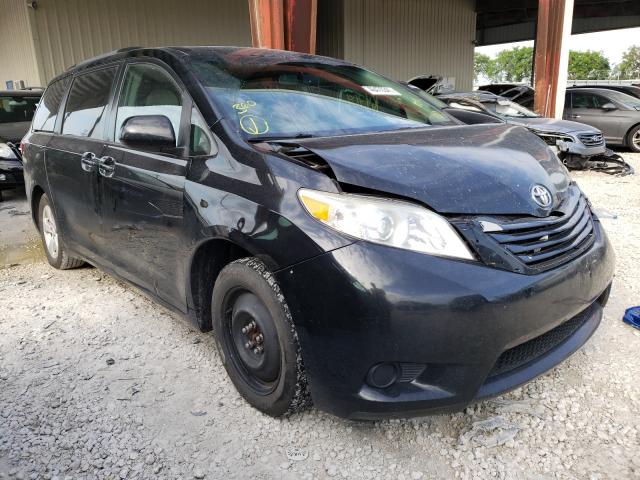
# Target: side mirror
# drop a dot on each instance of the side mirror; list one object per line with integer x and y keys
{"x": 609, "y": 106}
{"x": 148, "y": 132}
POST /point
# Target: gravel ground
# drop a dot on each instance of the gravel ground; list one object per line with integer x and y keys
{"x": 96, "y": 381}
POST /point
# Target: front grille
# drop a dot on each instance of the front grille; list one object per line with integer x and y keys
{"x": 535, "y": 348}
{"x": 544, "y": 243}
{"x": 591, "y": 139}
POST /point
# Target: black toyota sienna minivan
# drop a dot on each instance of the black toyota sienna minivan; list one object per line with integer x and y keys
{"x": 348, "y": 243}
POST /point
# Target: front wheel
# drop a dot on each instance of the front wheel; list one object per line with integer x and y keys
{"x": 56, "y": 253}
{"x": 633, "y": 139}
{"x": 257, "y": 339}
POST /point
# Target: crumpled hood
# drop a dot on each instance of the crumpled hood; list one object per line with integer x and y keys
{"x": 470, "y": 169}
{"x": 549, "y": 125}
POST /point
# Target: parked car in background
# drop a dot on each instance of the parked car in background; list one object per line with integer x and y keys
{"x": 498, "y": 88}
{"x": 615, "y": 113}
{"x": 467, "y": 117}
{"x": 346, "y": 241}
{"x": 431, "y": 84}
{"x": 568, "y": 138}
{"x": 10, "y": 167}
{"x": 522, "y": 94}
{"x": 632, "y": 90}
{"x": 16, "y": 111}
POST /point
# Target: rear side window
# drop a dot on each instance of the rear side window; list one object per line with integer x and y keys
{"x": 16, "y": 109}
{"x": 148, "y": 90}
{"x": 45, "y": 117}
{"x": 84, "y": 114}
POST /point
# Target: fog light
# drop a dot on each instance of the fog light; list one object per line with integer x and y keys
{"x": 3, "y": 177}
{"x": 382, "y": 375}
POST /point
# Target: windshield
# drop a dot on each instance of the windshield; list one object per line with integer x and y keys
{"x": 507, "y": 108}
{"x": 289, "y": 99}
{"x": 623, "y": 98}
{"x": 15, "y": 109}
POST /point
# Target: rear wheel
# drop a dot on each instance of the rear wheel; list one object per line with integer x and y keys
{"x": 55, "y": 251}
{"x": 257, "y": 339}
{"x": 633, "y": 138}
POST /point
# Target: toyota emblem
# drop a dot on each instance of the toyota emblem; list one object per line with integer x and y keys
{"x": 541, "y": 195}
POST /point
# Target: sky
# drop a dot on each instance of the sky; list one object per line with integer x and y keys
{"x": 612, "y": 43}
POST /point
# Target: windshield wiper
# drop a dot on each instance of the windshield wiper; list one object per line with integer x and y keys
{"x": 258, "y": 139}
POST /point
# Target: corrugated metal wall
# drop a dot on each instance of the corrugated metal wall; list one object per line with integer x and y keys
{"x": 17, "y": 59}
{"x": 405, "y": 38}
{"x": 73, "y": 30}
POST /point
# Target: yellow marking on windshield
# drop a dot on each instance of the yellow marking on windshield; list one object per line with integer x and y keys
{"x": 243, "y": 107}
{"x": 254, "y": 125}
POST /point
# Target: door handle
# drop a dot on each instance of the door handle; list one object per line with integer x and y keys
{"x": 106, "y": 166}
{"x": 88, "y": 161}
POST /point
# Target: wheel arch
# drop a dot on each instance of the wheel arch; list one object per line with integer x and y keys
{"x": 207, "y": 261}
{"x": 36, "y": 194}
{"x": 626, "y": 135}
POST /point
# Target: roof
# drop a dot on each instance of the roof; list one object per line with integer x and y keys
{"x": 238, "y": 56}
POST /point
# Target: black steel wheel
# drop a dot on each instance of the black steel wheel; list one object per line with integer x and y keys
{"x": 257, "y": 338}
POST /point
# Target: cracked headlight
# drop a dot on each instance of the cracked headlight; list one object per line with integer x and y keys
{"x": 385, "y": 221}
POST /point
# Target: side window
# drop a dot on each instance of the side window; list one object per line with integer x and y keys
{"x": 567, "y": 100}
{"x": 47, "y": 112}
{"x": 583, "y": 100}
{"x": 600, "y": 101}
{"x": 84, "y": 113}
{"x": 201, "y": 141}
{"x": 148, "y": 90}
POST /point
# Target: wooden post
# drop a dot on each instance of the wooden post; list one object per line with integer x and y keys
{"x": 300, "y": 25}
{"x": 551, "y": 55}
{"x": 284, "y": 24}
{"x": 267, "y": 27}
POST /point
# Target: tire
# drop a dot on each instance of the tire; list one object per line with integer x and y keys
{"x": 51, "y": 241}
{"x": 633, "y": 139}
{"x": 273, "y": 379}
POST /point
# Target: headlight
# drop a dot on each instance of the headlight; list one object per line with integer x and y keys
{"x": 6, "y": 152}
{"x": 387, "y": 222}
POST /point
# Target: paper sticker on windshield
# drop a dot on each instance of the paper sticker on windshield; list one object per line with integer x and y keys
{"x": 387, "y": 91}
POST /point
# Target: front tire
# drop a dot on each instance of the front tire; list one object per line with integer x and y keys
{"x": 633, "y": 139}
{"x": 257, "y": 339}
{"x": 54, "y": 249}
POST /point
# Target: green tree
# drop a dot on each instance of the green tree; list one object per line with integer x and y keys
{"x": 514, "y": 65}
{"x": 588, "y": 65}
{"x": 482, "y": 66}
{"x": 630, "y": 65}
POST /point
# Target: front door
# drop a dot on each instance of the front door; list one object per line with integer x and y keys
{"x": 142, "y": 192}
{"x": 586, "y": 107}
{"x": 72, "y": 157}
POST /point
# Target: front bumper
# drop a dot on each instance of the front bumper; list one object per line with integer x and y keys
{"x": 365, "y": 304}
{"x": 578, "y": 148}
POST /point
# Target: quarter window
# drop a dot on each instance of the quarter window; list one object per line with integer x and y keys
{"x": 148, "y": 90}
{"x": 85, "y": 110}
{"x": 47, "y": 112}
{"x": 202, "y": 142}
